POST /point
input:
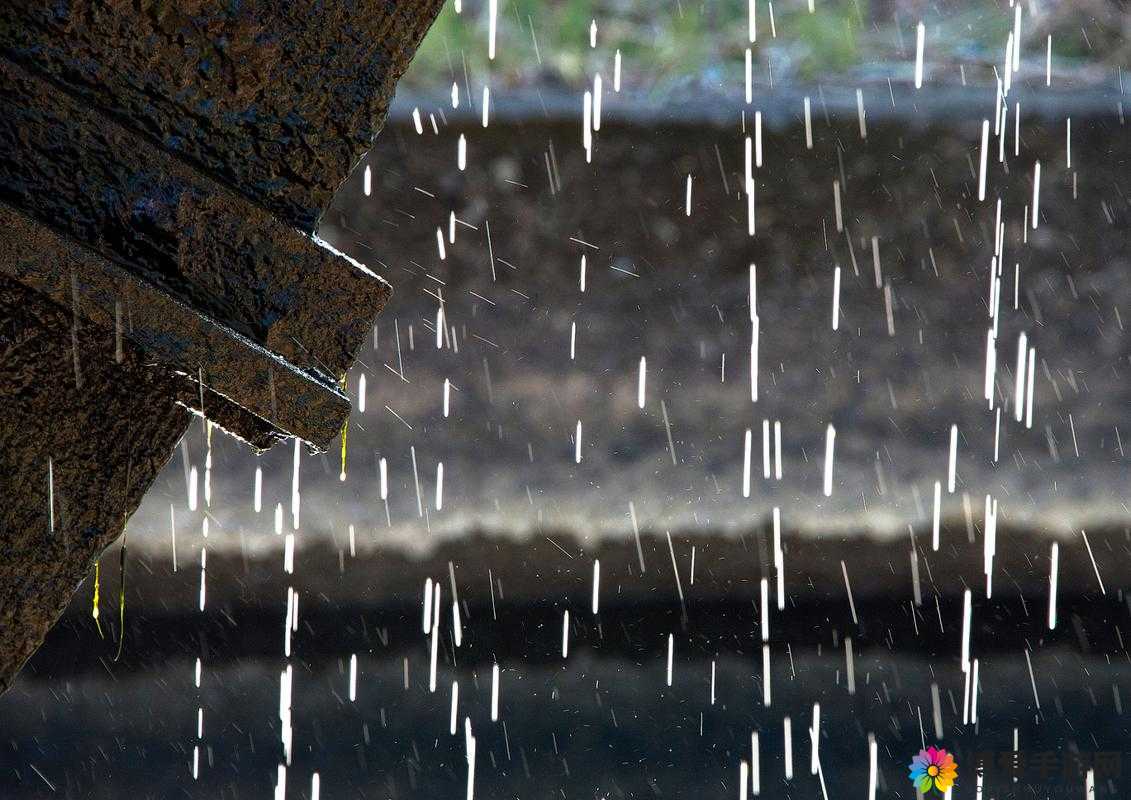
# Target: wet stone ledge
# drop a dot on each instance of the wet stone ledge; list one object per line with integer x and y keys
{"x": 162, "y": 171}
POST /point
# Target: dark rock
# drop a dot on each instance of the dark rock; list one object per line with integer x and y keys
{"x": 163, "y": 167}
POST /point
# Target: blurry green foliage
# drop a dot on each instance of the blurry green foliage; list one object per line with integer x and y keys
{"x": 684, "y": 39}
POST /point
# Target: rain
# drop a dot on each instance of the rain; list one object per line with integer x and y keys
{"x": 747, "y": 419}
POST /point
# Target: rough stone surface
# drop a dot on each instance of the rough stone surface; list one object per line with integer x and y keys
{"x": 163, "y": 167}
{"x": 279, "y": 99}
{"x": 122, "y": 307}
{"x": 110, "y": 429}
{"x": 186, "y": 235}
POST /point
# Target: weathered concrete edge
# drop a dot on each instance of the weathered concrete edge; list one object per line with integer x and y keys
{"x": 780, "y": 106}
{"x": 287, "y": 293}
{"x": 232, "y": 366}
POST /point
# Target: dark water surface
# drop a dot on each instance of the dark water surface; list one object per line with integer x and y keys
{"x": 603, "y": 723}
{"x": 587, "y": 727}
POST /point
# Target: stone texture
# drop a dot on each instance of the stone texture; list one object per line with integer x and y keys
{"x": 188, "y": 237}
{"x": 277, "y": 99}
{"x": 163, "y": 167}
{"x": 118, "y": 305}
{"x": 106, "y": 429}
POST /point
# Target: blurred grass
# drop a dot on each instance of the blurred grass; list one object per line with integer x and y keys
{"x": 705, "y": 41}
{"x": 830, "y": 40}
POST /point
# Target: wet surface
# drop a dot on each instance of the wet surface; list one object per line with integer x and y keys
{"x": 587, "y": 727}
{"x": 603, "y": 722}
{"x": 675, "y": 290}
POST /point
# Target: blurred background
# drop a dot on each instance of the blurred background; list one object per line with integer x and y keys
{"x": 565, "y": 375}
